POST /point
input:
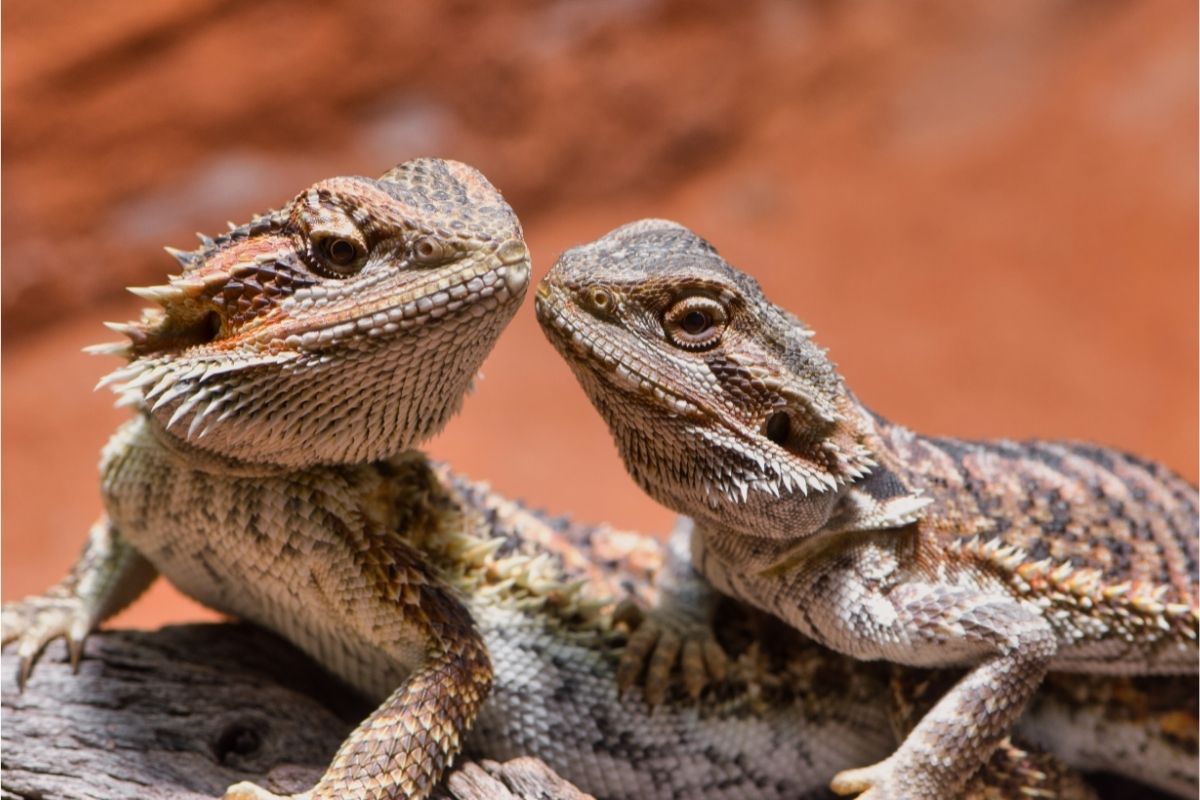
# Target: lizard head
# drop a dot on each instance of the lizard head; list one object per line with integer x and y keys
{"x": 719, "y": 402}
{"x": 344, "y": 327}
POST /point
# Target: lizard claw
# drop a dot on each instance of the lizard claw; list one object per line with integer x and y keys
{"x": 864, "y": 780}
{"x": 662, "y": 645}
{"x": 1015, "y": 772}
{"x": 38, "y": 620}
{"x": 1011, "y": 772}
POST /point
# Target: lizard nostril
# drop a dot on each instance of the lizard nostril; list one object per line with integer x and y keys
{"x": 601, "y": 299}
{"x": 512, "y": 251}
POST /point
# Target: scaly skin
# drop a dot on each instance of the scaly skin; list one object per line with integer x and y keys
{"x": 291, "y": 359}
{"x": 395, "y": 573}
{"x": 787, "y": 716}
{"x": 1008, "y": 558}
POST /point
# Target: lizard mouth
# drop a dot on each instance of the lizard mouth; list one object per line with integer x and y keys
{"x": 585, "y": 347}
{"x": 470, "y": 292}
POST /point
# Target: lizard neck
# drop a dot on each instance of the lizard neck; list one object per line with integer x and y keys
{"x": 193, "y": 457}
{"x": 760, "y": 534}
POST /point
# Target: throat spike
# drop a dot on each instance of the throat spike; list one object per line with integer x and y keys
{"x": 107, "y": 349}
{"x": 186, "y": 260}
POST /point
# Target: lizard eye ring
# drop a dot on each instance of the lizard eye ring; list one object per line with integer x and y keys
{"x": 601, "y": 299}
{"x": 338, "y": 255}
{"x": 695, "y": 323}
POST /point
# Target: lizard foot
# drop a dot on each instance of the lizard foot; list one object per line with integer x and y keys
{"x": 662, "y": 643}
{"x": 1012, "y": 772}
{"x": 247, "y": 790}
{"x": 39, "y": 619}
{"x": 1015, "y": 772}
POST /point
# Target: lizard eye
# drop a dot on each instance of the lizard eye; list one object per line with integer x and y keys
{"x": 602, "y": 299}
{"x": 695, "y": 323}
{"x": 339, "y": 255}
{"x": 341, "y": 252}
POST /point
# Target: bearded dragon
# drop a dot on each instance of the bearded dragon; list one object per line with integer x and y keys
{"x": 279, "y": 385}
{"x": 275, "y": 381}
{"x": 1009, "y": 559}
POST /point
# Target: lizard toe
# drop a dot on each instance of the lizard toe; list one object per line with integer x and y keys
{"x": 661, "y": 666}
{"x": 12, "y": 622}
{"x": 36, "y": 621}
{"x": 635, "y": 654}
{"x": 664, "y": 650}
{"x": 863, "y": 781}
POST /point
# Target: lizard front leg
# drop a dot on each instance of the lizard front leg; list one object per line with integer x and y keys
{"x": 1010, "y": 647}
{"x": 401, "y": 750}
{"x": 1010, "y": 771}
{"x": 1014, "y": 770}
{"x": 109, "y": 575}
{"x": 677, "y": 634}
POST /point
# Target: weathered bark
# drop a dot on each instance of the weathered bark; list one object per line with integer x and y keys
{"x": 186, "y": 711}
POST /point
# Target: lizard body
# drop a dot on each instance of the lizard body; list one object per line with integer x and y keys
{"x": 1008, "y": 558}
{"x": 787, "y": 715}
{"x": 786, "y": 718}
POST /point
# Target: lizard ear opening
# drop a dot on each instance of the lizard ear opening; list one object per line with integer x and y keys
{"x": 830, "y": 450}
{"x": 209, "y": 328}
{"x": 778, "y": 427}
{"x": 174, "y": 329}
{"x": 881, "y": 500}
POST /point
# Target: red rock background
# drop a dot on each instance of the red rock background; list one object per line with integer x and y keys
{"x": 988, "y": 212}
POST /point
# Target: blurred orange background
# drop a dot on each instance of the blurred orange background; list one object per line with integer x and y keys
{"x": 987, "y": 211}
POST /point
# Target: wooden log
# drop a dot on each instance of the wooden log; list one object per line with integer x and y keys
{"x": 186, "y": 711}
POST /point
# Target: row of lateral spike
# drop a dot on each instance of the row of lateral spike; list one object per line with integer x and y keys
{"x": 1084, "y": 585}
{"x": 534, "y": 579}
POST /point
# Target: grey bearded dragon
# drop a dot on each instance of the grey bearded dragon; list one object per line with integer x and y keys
{"x": 1009, "y": 559}
{"x": 278, "y": 386}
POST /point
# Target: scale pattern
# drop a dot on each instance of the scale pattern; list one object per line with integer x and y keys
{"x": 1007, "y": 558}
{"x": 475, "y": 622}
